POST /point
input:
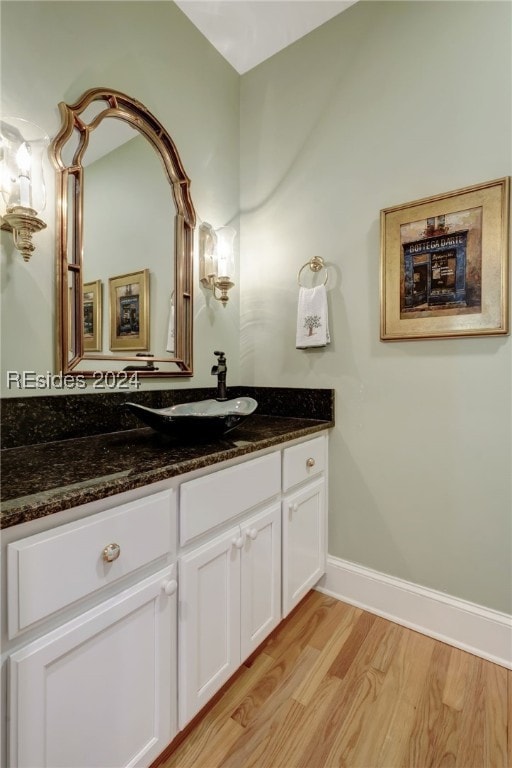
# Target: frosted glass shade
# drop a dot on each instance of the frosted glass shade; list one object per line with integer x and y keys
{"x": 225, "y": 237}
{"x": 23, "y": 146}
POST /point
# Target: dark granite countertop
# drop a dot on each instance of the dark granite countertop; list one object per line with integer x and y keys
{"x": 39, "y": 480}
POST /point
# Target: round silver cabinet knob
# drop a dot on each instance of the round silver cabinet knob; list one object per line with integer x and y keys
{"x": 310, "y": 463}
{"x": 111, "y": 552}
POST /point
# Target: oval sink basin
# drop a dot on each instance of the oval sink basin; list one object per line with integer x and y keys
{"x": 202, "y": 419}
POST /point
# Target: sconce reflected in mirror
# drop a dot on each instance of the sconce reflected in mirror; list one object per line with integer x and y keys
{"x": 217, "y": 260}
{"x": 22, "y": 147}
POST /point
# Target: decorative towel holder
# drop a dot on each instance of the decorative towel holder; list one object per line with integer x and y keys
{"x": 316, "y": 264}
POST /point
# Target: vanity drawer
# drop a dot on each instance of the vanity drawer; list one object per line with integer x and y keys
{"x": 215, "y": 499}
{"x": 303, "y": 461}
{"x": 51, "y": 570}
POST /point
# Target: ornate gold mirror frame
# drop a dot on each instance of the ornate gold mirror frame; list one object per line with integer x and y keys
{"x": 71, "y": 352}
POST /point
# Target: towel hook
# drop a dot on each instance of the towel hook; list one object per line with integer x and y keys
{"x": 315, "y": 264}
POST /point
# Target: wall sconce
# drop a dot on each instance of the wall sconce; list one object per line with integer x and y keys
{"x": 22, "y": 146}
{"x": 216, "y": 259}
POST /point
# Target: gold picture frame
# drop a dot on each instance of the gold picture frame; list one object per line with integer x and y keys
{"x": 444, "y": 265}
{"x": 92, "y": 316}
{"x": 129, "y": 311}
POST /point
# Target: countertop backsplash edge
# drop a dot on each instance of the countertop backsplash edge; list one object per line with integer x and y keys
{"x": 49, "y": 418}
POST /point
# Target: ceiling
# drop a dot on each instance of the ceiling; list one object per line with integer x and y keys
{"x": 246, "y": 32}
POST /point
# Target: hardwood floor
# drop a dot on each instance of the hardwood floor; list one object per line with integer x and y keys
{"x": 337, "y": 686}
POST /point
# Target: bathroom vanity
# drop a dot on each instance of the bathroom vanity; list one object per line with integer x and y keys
{"x": 140, "y": 570}
{"x": 125, "y": 614}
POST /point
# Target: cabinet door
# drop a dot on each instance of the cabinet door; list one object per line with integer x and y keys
{"x": 304, "y": 545}
{"x": 260, "y": 609}
{"x": 100, "y": 690}
{"x": 209, "y": 621}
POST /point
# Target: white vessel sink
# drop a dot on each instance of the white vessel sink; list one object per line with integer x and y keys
{"x": 200, "y": 419}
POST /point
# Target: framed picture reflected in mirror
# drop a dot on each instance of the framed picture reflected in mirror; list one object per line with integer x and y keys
{"x": 92, "y": 315}
{"x": 129, "y": 311}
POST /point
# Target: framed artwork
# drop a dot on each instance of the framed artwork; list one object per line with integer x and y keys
{"x": 129, "y": 311}
{"x": 92, "y": 316}
{"x": 444, "y": 265}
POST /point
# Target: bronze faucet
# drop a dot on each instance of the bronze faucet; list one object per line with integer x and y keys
{"x": 220, "y": 370}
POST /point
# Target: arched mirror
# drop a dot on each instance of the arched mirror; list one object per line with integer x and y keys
{"x": 124, "y": 241}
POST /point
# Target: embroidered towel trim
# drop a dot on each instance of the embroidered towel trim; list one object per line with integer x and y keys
{"x": 312, "y": 318}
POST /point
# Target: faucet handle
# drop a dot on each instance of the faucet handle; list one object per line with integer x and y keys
{"x": 221, "y": 356}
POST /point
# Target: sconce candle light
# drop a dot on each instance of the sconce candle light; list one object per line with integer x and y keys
{"x": 216, "y": 259}
{"x": 22, "y": 146}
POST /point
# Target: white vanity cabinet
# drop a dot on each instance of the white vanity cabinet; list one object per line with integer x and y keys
{"x": 99, "y": 689}
{"x": 209, "y": 621}
{"x": 260, "y": 578}
{"x": 96, "y": 691}
{"x": 230, "y": 580}
{"x": 124, "y": 620}
{"x": 304, "y": 518}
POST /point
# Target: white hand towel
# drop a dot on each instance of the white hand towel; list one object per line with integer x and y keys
{"x": 312, "y": 319}
{"x": 170, "y": 328}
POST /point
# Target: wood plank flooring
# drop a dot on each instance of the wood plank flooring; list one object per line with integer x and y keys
{"x": 336, "y": 686}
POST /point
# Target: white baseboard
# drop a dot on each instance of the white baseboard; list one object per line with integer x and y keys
{"x": 465, "y": 625}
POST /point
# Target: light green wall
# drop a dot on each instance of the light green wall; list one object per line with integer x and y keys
{"x": 150, "y": 51}
{"x": 386, "y": 103}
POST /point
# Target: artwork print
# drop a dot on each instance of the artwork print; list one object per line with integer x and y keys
{"x": 441, "y": 265}
{"x": 129, "y": 311}
{"x": 92, "y": 316}
{"x": 444, "y": 265}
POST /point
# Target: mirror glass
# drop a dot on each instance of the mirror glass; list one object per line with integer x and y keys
{"x": 125, "y": 245}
